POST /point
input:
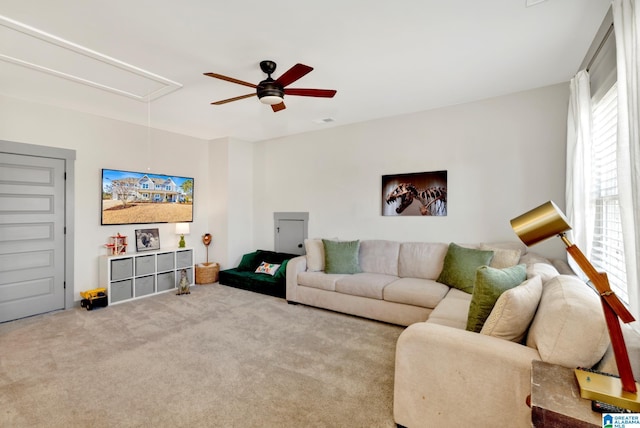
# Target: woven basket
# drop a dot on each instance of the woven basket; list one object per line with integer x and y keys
{"x": 207, "y": 274}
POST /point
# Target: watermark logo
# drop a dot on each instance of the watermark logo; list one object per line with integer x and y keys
{"x": 621, "y": 420}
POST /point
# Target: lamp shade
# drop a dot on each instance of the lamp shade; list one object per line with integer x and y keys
{"x": 182, "y": 228}
{"x": 540, "y": 223}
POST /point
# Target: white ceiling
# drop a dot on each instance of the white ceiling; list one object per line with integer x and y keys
{"x": 384, "y": 58}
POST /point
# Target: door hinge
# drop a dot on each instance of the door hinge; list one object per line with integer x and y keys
{"x": 65, "y": 175}
{"x": 64, "y": 283}
{"x": 65, "y": 230}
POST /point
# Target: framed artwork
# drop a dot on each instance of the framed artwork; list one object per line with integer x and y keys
{"x": 147, "y": 239}
{"x": 141, "y": 197}
{"x": 415, "y": 194}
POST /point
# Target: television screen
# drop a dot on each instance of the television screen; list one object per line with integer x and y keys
{"x": 138, "y": 198}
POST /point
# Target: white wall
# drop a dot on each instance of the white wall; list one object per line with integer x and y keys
{"x": 105, "y": 143}
{"x": 231, "y": 200}
{"x": 503, "y": 155}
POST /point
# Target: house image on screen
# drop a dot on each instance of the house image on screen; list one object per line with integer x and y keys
{"x": 147, "y": 189}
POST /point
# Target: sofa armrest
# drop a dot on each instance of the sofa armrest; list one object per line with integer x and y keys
{"x": 450, "y": 377}
{"x": 294, "y": 266}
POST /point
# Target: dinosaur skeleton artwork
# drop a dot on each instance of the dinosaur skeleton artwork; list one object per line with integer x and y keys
{"x": 433, "y": 200}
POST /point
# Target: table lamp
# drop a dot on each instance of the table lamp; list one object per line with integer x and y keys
{"x": 547, "y": 221}
{"x": 182, "y": 229}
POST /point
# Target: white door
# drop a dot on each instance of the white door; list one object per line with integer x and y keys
{"x": 32, "y": 228}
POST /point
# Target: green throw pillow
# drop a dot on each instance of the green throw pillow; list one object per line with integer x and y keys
{"x": 249, "y": 262}
{"x": 341, "y": 256}
{"x": 460, "y": 264}
{"x": 490, "y": 284}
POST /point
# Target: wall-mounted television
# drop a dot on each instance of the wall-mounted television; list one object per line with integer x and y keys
{"x": 141, "y": 197}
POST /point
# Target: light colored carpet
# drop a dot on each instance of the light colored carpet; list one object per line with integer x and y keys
{"x": 219, "y": 357}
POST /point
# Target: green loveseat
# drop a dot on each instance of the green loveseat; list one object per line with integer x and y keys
{"x": 244, "y": 276}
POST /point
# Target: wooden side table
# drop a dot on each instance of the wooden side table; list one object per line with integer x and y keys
{"x": 556, "y": 401}
{"x": 207, "y": 273}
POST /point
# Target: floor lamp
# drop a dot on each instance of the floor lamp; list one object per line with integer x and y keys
{"x": 545, "y": 222}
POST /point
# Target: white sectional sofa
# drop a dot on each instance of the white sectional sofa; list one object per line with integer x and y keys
{"x": 446, "y": 375}
{"x": 397, "y": 283}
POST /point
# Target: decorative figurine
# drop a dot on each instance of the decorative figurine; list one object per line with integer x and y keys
{"x": 117, "y": 245}
{"x": 184, "y": 283}
{"x": 206, "y": 240}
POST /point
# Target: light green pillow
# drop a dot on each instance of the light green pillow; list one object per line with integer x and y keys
{"x": 341, "y": 256}
{"x": 490, "y": 284}
{"x": 460, "y": 264}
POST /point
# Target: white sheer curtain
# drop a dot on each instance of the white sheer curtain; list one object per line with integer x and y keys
{"x": 578, "y": 211}
{"x": 626, "y": 19}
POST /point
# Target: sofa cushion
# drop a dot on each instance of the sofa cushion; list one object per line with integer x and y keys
{"x": 569, "y": 327}
{"x": 545, "y": 271}
{"x": 460, "y": 264}
{"x": 314, "y": 250}
{"x": 341, "y": 256}
{"x": 425, "y": 293}
{"x": 452, "y": 311}
{"x": 489, "y": 285}
{"x": 319, "y": 280}
{"x": 531, "y": 258}
{"x": 249, "y": 262}
{"x": 502, "y": 257}
{"x": 281, "y": 274}
{"x": 421, "y": 259}
{"x": 256, "y": 282}
{"x": 513, "y": 312}
{"x": 272, "y": 257}
{"x": 364, "y": 284}
{"x": 379, "y": 256}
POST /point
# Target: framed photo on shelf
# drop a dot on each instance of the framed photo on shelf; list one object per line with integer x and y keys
{"x": 147, "y": 239}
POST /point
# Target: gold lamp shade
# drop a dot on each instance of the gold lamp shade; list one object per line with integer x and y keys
{"x": 540, "y": 223}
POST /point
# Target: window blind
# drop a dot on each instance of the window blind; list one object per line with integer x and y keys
{"x": 607, "y": 247}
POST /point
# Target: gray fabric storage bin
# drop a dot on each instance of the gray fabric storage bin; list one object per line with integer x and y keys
{"x": 165, "y": 261}
{"x": 121, "y": 290}
{"x": 144, "y": 285}
{"x": 145, "y": 265}
{"x": 184, "y": 258}
{"x": 121, "y": 269}
{"x": 165, "y": 281}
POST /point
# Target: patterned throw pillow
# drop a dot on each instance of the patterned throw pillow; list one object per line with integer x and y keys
{"x": 268, "y": 268}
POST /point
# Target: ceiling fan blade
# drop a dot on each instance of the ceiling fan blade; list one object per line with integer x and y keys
{"x": 277, "y": 107}
{"x": 230, "y": 79}
{"x": 241, "y": 97}
{"x": 293, "y": 74}
{"x": 322, "y": 93}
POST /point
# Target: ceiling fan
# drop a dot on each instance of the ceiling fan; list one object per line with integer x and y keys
{"x": 271, "y": 91}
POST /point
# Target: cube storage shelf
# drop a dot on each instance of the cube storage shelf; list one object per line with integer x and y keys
{"x": 133, "y": 276}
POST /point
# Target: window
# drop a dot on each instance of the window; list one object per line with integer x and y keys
{"x": 607, "y": 246}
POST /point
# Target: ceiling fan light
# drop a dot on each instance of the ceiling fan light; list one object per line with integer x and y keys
{"x": 271, "y": 99}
